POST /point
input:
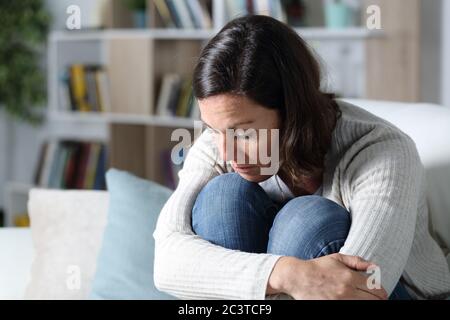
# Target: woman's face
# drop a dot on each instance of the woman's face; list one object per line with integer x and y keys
{"x": 246, "y": 134}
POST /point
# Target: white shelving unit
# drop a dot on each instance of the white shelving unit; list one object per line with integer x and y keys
{"x": 109, "y": 118}
{"x": 350, "y": 36}
{"x": 91, "y": 47}
{"x": 351, "y": 33}
{"x": 67, "y": 47}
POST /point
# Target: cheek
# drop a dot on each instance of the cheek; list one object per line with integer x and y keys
{"x": 267, "y": 141}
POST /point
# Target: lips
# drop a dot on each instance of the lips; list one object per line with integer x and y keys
{"x": 243, "y": 169}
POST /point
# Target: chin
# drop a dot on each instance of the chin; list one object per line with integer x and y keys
{"x": 254, "y": 177}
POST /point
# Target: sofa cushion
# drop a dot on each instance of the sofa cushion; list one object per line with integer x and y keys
{"x": 16, "y": 257}
{"x": 66, "y": 229}
{"x": 125, "y": 261}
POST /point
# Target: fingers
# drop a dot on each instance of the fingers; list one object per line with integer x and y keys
{"x": 356, "y": 263}
{"x": 362, "y": 284}
{"x": 375, "y": 293}
{"x": 359, "y": 264}
{"x": 366, "y": 294}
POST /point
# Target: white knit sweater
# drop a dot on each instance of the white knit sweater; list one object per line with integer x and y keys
{"x": 372, "y": 169}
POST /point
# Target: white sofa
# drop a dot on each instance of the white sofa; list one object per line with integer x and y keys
{"x": 23, "y": 273}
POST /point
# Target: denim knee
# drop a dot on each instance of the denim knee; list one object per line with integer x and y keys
{"x": 308, "y": 227}
{"x": 234, "y": 213}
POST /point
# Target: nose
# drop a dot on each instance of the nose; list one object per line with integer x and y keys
{"x": 229, "y": 154}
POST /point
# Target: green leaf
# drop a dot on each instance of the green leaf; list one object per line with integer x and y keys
{"x": 24, "y": 26}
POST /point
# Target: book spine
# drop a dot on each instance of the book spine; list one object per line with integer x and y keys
{"x": 104, "y": 90}
{"x": 174, "y": 13}
{"x": 164, "y": 12}
{"x": 92, "y": 97}
{"x": 100, "y": 172}
{"x": 82, "y": 165}
{"x": 196, "y": 13}
{"x": 183, "y": 12}
{"x": 91, "y": 166}
{"x": 78, "y": 83}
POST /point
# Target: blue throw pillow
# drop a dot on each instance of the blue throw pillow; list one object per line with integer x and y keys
{"x": 125, "y": 262}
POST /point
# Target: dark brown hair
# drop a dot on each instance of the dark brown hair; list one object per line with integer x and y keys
{"x": 267, "y": 61}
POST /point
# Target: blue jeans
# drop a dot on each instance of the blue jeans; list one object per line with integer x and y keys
{"x": 237, "y": 214}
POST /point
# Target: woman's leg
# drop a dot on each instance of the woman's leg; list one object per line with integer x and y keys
{"x": 234, "y": 213}
{"x": 309, "y": 227}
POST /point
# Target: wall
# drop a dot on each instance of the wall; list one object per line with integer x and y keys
{"x": 445, "y": 79}
{"x": 4, "y": 154}
{"x": 431, "y": 50}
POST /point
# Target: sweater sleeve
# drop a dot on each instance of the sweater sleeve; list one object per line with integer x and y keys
{"x": 189, "y": 267}
{"x": 383, "y": 182}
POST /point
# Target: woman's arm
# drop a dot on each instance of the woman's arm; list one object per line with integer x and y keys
{"x": 335, "y": 276}
{"x": 383, "y": 184}
{"x": 187, "y": 266}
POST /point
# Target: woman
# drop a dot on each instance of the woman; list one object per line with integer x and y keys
{"x": 349, "y": 188}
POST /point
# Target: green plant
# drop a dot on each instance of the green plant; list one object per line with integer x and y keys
{"x": 24, "y": 26}
{"x": 136, "y": 5}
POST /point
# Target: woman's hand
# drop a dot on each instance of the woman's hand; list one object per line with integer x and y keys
{"x": 335, "y": 276}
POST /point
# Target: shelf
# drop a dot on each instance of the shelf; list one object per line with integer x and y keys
{"x": 163, "y": 34}
{"x": 354, "y": 33}
{"x": 107, "y": 118}
{"x": 201, "y": 34}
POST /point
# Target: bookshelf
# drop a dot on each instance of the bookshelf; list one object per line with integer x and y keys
{"x": 136, "y": 61}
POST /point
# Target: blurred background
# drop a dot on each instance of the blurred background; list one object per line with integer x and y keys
{"x": 90, "y": 84}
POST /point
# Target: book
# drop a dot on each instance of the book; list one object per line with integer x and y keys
{"x": 103, "y": 90}
{"x": 82, "y": 165}
{"x": 184, "y": 14}
{"x": 70, "y": 164}
{"x": 100, "y": 182}
{"x": 66, "y": 100}
{"x": 183, "y": 101}
{"x": 163, "y": 10}
{"x": 262, "y": 7}
{"x": 84, "y": 88}
{"x": 91, "y": 86}
{"x": 235, "y": 8}
{"x": 174, "y": 13}
{"x": 57, "y": 167}
{"x": 92, "y": 162}
{"x": 278, "y": 11}
{"x": 69, "y": 170}
{"x": 273, "y": 8}
{"x": 200, "y": 14}
{"x": 195, "y": 110}
{"x": 78, "y": 87}
{"x": 49, "y": 159}
{"x": 40, "y": 165}
{"x": 165, "y": 98}
{"x": 174, "y": 96}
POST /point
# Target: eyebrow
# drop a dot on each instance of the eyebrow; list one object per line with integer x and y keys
{"x": 232, "y": 127}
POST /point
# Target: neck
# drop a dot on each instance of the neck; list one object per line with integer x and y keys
{"x": 305, "y": 186}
